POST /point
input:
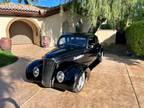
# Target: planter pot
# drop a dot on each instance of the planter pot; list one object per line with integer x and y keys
{"x": 45, "y": 41}
{"x": 5, "y": 44}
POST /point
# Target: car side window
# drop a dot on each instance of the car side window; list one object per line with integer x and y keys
{"x": 62, "y": 41}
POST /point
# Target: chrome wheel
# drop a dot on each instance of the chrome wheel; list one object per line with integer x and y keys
{"x": 80, "y": 82}
{"x": 100, "y": 57}
{"x": 102, "y": 54}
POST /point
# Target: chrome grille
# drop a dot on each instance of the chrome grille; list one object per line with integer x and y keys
{"x": 48, "y": 70}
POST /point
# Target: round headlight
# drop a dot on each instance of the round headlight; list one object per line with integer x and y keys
{"x": 36, "y": 71}
{"x": 60, "y": 76}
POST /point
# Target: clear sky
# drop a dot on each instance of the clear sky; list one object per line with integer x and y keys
{"x": 44, "y": 3}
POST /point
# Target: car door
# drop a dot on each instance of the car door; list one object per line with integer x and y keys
{"x": 90, "y": 54}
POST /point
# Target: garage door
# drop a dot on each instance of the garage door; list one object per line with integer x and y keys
{"x": 21, "y": 33}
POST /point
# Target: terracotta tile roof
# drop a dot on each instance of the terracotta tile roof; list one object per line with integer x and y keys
{"x": 21, "y": 10}
{"x": 55, "y": 10}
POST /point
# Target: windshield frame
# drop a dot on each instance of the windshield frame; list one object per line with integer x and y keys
{"x": 72, "y": 45}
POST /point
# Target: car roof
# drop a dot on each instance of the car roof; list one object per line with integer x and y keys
{"x": 79, "y": 34}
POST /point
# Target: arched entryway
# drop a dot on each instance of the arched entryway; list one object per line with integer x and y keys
{"x": 23, "y": 31}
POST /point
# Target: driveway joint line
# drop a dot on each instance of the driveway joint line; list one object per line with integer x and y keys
{"x": 31, "y": 98}
{"x": 133, "y": 87}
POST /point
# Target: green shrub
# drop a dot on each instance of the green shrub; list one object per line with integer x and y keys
{"x": 6, "y": 58}
{"x": 135, "y": 38}
{"x": 106, "y": 26}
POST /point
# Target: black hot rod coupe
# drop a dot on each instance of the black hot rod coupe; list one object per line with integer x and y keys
{"x": 67, "y": 66}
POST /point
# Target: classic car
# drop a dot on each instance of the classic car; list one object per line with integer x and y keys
{"x": 67, "y": 66}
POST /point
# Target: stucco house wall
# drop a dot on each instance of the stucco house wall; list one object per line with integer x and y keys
{"x": 6, "y": 20}
{"x": 34, "y": 23}
{"x": 106, "y": 37}
{"x": 52, "y": 27}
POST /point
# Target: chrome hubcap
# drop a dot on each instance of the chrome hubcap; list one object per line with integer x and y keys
{"x": 102, "y": 54}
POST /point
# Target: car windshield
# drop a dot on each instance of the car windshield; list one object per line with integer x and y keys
{"x": 72, "y": 41}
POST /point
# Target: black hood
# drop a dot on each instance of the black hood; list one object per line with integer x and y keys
{"x": 63, "y": 53}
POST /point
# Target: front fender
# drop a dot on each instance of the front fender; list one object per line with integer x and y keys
{"x": 30, "y": 67}
{"x": 71, "y": 72}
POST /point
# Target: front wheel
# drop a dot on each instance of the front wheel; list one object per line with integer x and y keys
{"x": 79, "y": 83}
{"x": 100, "y": 56}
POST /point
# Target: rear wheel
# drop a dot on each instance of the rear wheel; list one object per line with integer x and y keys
{"x": 79, "y": 82}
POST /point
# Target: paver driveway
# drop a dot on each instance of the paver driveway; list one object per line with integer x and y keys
{"x": 115, "y": 83}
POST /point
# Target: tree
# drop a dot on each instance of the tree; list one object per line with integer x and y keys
{"x": 114, "y": 11}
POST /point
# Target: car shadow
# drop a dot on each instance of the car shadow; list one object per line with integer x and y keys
{"x": 59, "y": 89}
{"x": 9, "y": 76}
{"x": 93, "y": 65}
{"x": 56, "y": 88}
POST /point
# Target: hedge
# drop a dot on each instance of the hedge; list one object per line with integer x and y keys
{"x": 135, "y": 38}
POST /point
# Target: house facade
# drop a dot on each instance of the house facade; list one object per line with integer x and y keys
{"x": 26, "y": 24}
